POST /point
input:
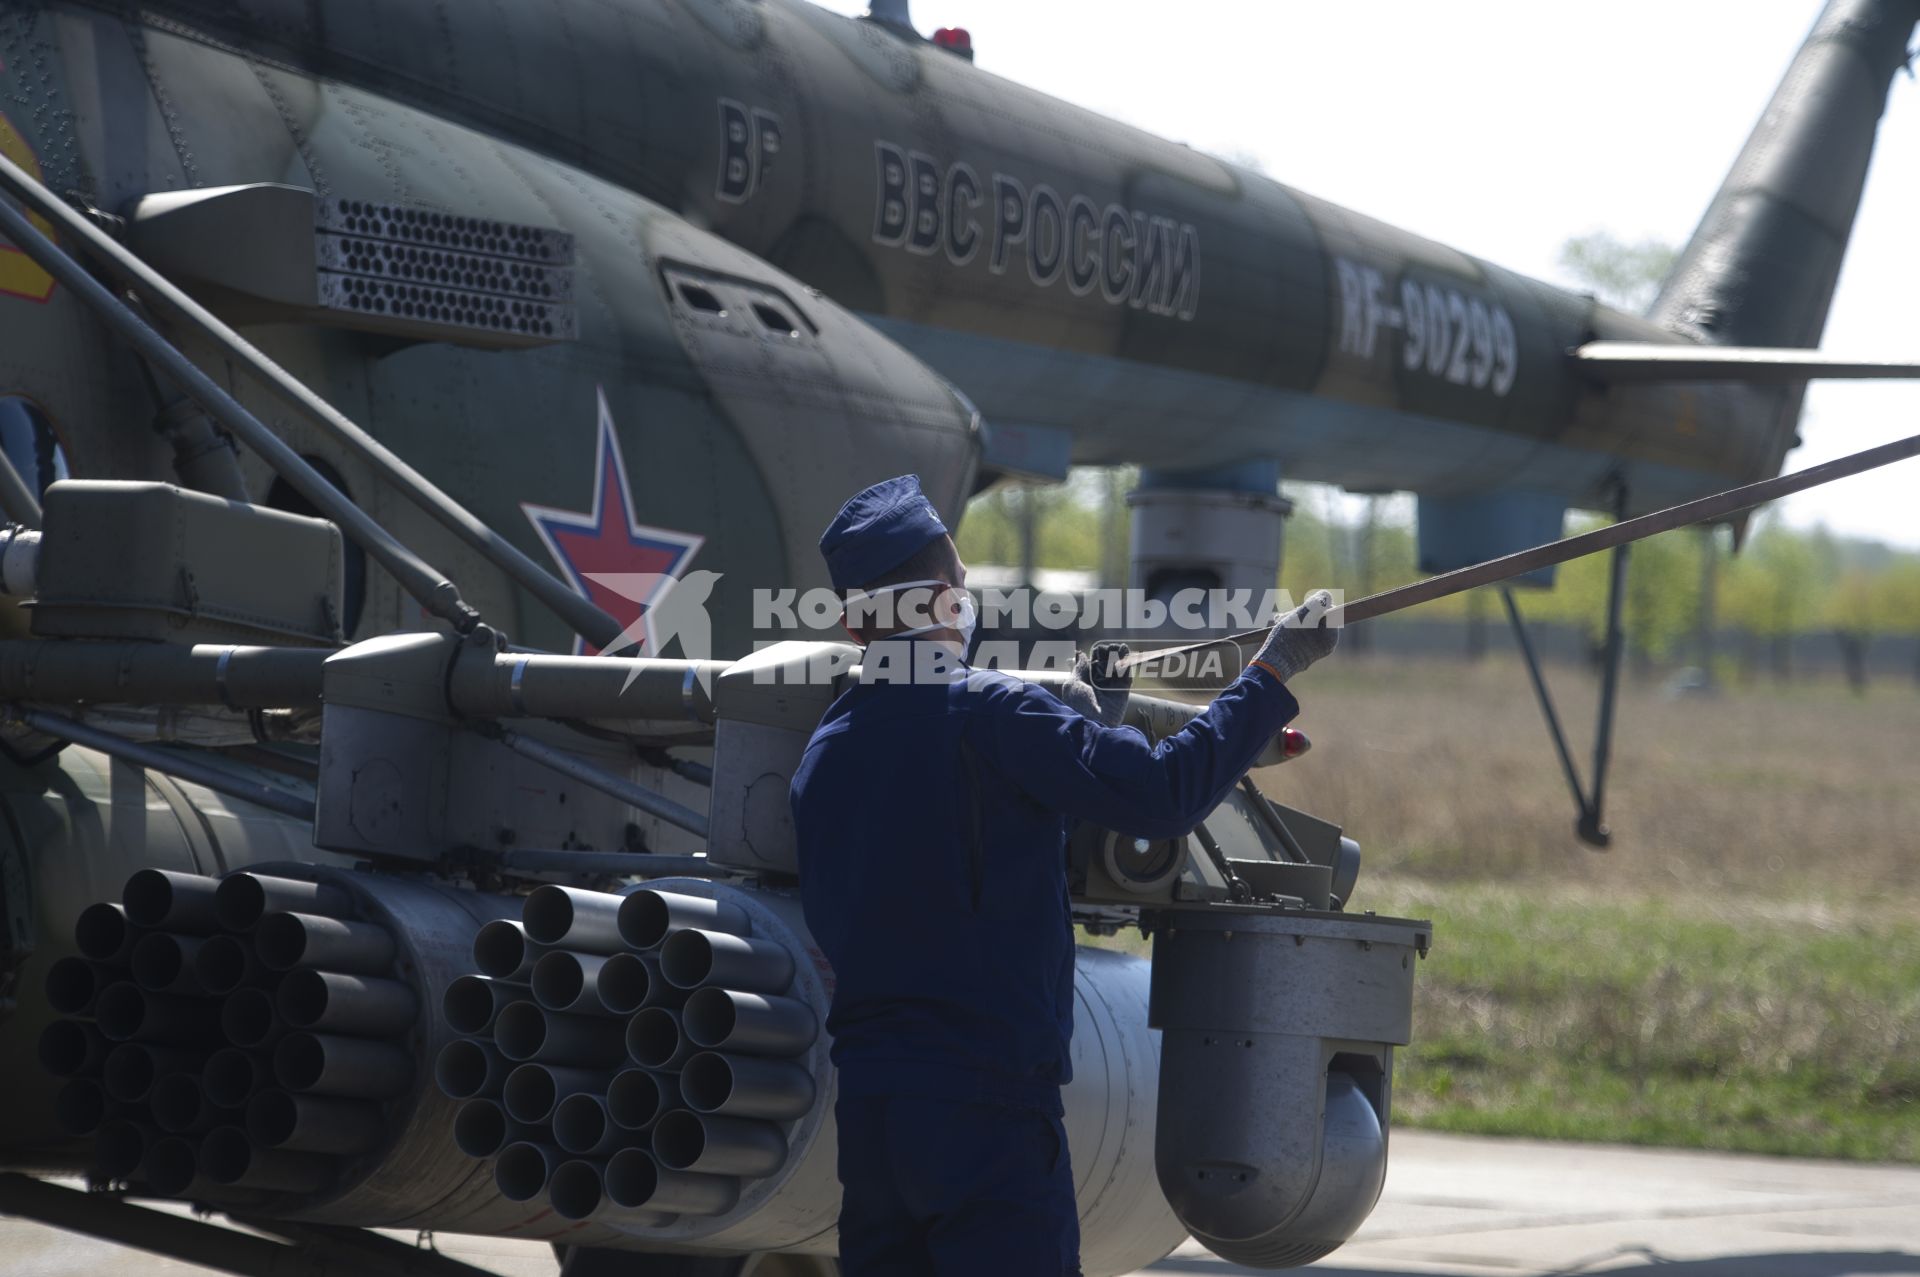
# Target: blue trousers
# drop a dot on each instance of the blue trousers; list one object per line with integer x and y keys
{"x": 933, "y": 1188}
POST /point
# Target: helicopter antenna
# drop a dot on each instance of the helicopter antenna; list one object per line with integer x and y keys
{"x": 892, "y": 13}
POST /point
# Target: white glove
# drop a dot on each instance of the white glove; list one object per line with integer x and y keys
{"x": 1299, "y": 638}
{"x": 1078, "y": 691}
{"x": 1101, "y": 697}
{"x": 1112, "y": 686}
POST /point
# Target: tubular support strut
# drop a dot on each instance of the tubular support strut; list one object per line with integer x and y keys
{"x": 1592, "y": 827}
{"x": 434, "y": 591}
{"x": 1590, "y": 824}
{"x": 1541, "y": 693}
{"x": 1263, "y": 807}
{"x": 17, "y": 500}
{"x": 559, "y": 760}
{"x": 314, "y": 1250}
{"x": 191, "y": 770}
{"x": 577, "y": 612}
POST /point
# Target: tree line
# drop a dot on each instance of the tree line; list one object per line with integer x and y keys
{"x": 1784, "y": 583}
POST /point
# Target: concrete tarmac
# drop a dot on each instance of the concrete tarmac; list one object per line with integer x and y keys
{"x": 1454, "y": 1207}
{"x": 1457, "y": 1206}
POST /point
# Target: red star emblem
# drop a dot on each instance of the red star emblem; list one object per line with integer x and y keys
{"x": 622, "y": 565}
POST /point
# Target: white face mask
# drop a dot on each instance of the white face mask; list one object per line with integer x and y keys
{"x": 964, "y": 623}
{"x": 967, "y": 622}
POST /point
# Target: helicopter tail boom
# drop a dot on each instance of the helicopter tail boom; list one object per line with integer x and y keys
{"x": 1761, "y": 267}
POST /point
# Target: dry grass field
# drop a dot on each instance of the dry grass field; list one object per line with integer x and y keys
{"x": 1443, "y": 771}
{"x": 1741, "y": 970}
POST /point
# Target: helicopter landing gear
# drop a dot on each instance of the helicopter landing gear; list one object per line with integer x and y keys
{"x": 1589, "y": 822}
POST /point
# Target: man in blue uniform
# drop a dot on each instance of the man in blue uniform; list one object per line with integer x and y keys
{"x": 932, "y": 817}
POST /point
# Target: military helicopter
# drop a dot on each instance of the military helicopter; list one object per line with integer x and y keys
{"x": 347, "y": 888}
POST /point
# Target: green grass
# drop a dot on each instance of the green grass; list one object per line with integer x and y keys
{"x": 1772, "y": 1029}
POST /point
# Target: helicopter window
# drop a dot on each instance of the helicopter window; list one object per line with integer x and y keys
{"x": 27, "y": 438}
{"x": 283, "y": 496}
{"x": 775, "y": 320}
{"x": 701, "y": 299}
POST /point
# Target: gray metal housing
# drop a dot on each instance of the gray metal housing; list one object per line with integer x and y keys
{"x": 1276, "y": 1073}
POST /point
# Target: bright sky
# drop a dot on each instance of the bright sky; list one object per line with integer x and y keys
{"x": 1503, "y": 127}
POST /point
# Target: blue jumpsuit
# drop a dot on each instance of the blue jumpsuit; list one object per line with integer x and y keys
{"x": 932, "y": 823}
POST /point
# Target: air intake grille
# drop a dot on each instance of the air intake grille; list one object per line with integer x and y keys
{"x": 400, "y": 268}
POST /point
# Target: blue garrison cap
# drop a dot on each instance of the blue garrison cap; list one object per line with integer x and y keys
{"x": 877, "y": 530}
